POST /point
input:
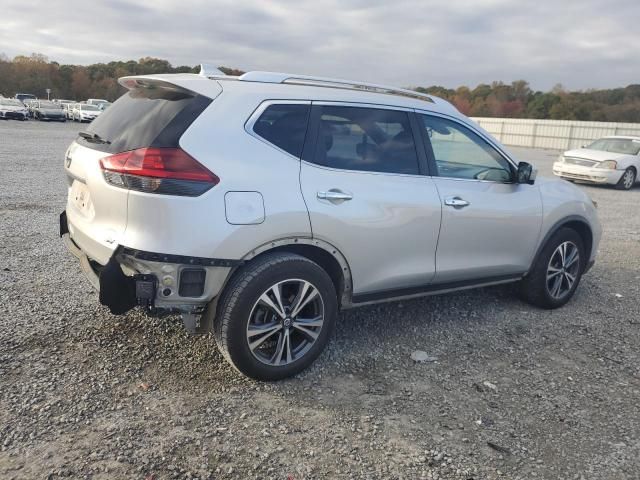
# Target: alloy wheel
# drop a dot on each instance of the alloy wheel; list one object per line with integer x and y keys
{"x": 628, "y": 179}
{"x": 563, "y": 270}
{"x": 285, "y": 322}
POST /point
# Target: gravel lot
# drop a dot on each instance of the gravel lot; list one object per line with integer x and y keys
{"x": 515, "y": 392}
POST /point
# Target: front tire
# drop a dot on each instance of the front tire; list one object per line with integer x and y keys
{"x": 628, "y": 179}
{"x": 276, "y": 316}
{"x": 557, "y": 272}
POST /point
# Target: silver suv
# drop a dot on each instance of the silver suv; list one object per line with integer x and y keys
{"x": 259, "y": 206}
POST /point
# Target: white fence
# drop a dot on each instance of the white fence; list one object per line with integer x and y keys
{"x": 555, "y": 134}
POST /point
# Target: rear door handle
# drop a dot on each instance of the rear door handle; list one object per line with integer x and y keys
{"x": 334, "y": 195}
{"x": 456, "y": 202}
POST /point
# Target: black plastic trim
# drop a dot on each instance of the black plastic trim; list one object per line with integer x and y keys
{"x": 589, "y": 266}
{"x": 423, "y": 159}
{"x": 557, "y": 226}
{"x": 117, "y": 291}
{"x": 311, "y": 138}
{"x": 181, "y": 259}
{"x": 432, "y": 288}
{"x": 64, "y": 227}
{"x": 187, "y": 287}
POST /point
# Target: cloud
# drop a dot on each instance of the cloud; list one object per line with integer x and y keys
{"x": 585, "y": 44}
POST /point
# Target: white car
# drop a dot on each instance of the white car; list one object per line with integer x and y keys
{"x": 10, "y": 108}
{"x": 83, "y": 112}
{"x": 68, "y": 110}
{"x": 96, "y": 101}
{"x": 609, "y": 160}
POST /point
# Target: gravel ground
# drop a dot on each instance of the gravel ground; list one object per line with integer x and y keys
{"x": 515, "y": 392}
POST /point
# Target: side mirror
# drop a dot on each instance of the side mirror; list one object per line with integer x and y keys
{"x": 526, "y": 173}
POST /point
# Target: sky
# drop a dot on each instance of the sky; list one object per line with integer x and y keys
{"x": 579, "y": 44}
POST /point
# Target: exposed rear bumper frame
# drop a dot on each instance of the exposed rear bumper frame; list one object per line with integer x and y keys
{"x": 117, "y": 291}
{"x": 121, "y": 292}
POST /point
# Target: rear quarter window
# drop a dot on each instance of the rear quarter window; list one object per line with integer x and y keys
{"x": 146, "y": 117}
{"x": 285, "y": 126}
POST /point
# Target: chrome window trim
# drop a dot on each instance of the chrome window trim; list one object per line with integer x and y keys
{"x": 369, "y": 172}
{"x": 474, "y": 180}
{"x": 257, "y": 113}
{"x": 379, "y": 106}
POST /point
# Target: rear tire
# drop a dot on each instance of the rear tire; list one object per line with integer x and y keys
{"x": 557, "y": 272}
{"x": 628, "y": 179}
{"x": 276, "y": 316}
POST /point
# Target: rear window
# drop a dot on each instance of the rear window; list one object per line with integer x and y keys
{"x": 285, "y": 126}
{"x": 146, "y": 117}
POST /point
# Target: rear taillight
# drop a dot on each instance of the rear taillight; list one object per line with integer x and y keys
{"x": 168, "y": 171}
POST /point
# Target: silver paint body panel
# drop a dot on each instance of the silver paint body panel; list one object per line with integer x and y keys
{"x": 395, "y": 232}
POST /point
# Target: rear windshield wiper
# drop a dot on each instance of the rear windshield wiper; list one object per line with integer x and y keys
{"x": 94, "y": 138}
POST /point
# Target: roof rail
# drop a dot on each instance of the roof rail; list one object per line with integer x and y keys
{"x": 293, "y": 79}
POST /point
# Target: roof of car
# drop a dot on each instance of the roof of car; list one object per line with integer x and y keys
{"x": 623, "y": 137}
{"x": 302, "y": 87}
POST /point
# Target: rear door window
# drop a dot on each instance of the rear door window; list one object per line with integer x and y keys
{"x": 285, "y": 126}
{"x": 366, "y": 139}
{"x": 152, "y": 116}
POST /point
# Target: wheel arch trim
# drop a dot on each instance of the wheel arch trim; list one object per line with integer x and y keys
{"x": 347, "y": 291}
{"x": 557, "y": 226}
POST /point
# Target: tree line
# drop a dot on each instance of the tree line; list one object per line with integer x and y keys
{"x": 518, "y": 100}
{"x": 35, "y": 73}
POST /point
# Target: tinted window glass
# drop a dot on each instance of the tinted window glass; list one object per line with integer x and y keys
{"x": 368, "y": 139}
{"x": 285, "y": 126}
{"x": 460, "y": 153}
{"x": 145, "y": 117}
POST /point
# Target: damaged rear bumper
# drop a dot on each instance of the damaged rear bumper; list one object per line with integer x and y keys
{"x": 119, "y": 292}
{"x": 160, "y": 283}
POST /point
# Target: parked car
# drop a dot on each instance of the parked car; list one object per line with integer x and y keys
{"x": 96, "y": 101}
{"x": 62, "y": 101}
{"x": 10, "y": 108}
{"x": 611, "y": 160}
{"x": 45, "y": 110}
{"x": 25, "y": 96}
{"x": 30, "y": 104}
{"x": 67, "y": 108}
{"x": 259, "y": 206}
{"x": 104, "y": 106}
{"x": 83, "y": 112}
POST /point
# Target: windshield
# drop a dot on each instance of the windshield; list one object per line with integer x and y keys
{"x": 89, "y": 107}
{"x": 626, "y": 146}
{"x": 10, "y": 101}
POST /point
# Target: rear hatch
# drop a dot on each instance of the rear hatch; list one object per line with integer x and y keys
{"x": 148, "y": 119}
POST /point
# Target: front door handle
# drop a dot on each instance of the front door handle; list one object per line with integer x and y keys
{"x": 334, "y": 195}
{"x": 456, "y": 202}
